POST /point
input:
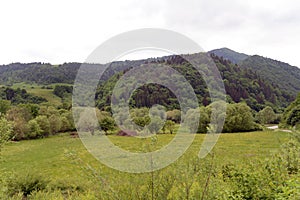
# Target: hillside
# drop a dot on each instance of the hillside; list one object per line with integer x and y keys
{"x": 257, "y": 80}
{"x": 287, "y": 77}
{"x": 40, "y": 73}
{"x": 240, "y": 84}
{"x": 229, "y": 54}
{"x": 45, "y": 73}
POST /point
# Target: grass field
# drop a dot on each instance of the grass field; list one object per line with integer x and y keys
{"x": 38, "y": 90}
{"x": 63, "y": 159}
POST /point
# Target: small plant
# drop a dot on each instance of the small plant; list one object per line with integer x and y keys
{"x": 26, "y": 184}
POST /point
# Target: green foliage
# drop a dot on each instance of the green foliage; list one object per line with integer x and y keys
{"x": 174, "y": 115}
{"x": 227, "y": 173}
{"x": 34, "y": 130}
{"x": 281, "y": 75}
{"x": 32, "y": 121}
{"x": 19, "y": 116}
{"x": 55, "y": 123}
{"x": 41, "y": 73}
{"x": 203, "y": 113}
{"x": 62, "y": 90}
{"x": 169, "y": 125}
{"x": 204, "y": 119}
{"x": 241, "y": 84}
{"x": 155, "y": 125}
{"x": 275, "y": 178}
{"x": 5, "y": 131}
{"x": 32, "y": 108}
{"x": 44, "y": 124}
{"x": 107, "y": 123}
{"x": 266, "y": 115}
{"x": 229, "y": 54}
{"x": 294, "y": 117}
{"x": 4, "y": 106}
{"x": 140, "y": 116}
{"x": 291, "y": 116}
{"x": 19, "y": 96}
{"x": 26, "y": 184}
{"x": 239, "y": 118}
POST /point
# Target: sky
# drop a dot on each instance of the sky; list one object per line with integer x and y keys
{"x": 58, "y": 31}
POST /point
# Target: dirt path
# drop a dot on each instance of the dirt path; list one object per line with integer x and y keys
{"x": 276, "y": 127}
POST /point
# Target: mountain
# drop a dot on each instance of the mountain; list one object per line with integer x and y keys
{"x": 241, "y": 84}
{"x": 286, "y": 77}
{"x": 40, "y": 73}
{"x": 256, "y": 80}
{"x": 229, "y": 54}
{"x": 45, "y": 73}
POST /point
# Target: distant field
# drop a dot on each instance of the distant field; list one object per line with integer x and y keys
{"x": 63, "y": 158}
{"x": 39, "y": 91}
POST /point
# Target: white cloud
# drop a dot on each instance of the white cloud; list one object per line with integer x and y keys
{"x": 59, "y": 31}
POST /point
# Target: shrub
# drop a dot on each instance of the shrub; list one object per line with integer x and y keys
{"x": 5, "y": 131}
{"x": 26, "y": 184}
{"x": 34, "y": 130}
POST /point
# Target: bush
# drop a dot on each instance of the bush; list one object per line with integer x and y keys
{"x": 276, "y": 178}
{"x": 266, "y": 116}
{"x": 239, "y": 118}
{"x": 5, "y": 131}
{"x": 26, "y": 184}
{"x": 34, "y": 130}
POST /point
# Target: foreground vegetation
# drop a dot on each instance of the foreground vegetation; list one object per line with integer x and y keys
{"x": 43, "y": 158}
{"x": 256, "y": 165}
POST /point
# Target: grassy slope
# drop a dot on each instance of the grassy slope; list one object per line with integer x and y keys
{"x": 51, "y": 156}
{"x": 39, "y": 91}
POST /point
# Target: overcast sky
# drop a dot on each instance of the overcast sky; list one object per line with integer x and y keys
{"x": 58, "y": 31}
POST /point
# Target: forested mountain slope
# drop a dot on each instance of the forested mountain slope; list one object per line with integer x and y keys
{"x": 240, "y": 84}
{"x": 287, "y": 77}
{"x": 256, "y": 80}
{"x": 228, "y": 54}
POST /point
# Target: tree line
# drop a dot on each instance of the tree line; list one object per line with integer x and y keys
{"x": 30, "y": 121}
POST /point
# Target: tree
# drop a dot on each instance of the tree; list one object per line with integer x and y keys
{"x": 192, "y": 117}
{"x": 294, "y": 116}
{"x": 156, "y": 124}
{"x": 5, "y": 131}
{"x": 203, "y": 115}
{"x": 18, "y": 112}
{"x": 34, "y": 130}
{"x": 67, "y": 121}
{"x": 204, "y": 120}
{"x": 107, "y": 123}
{"x": 19, "y": 116}
{"x": 174, "y": 115}
{"x": 44, "y": 124}
{"x": 169, "y": 125}
{"x": 239, "y": 118}
{"x": 266, "y": 115}
{"x": 140, "y": 116}
{"x": 291, "y": 115}
{"x": 4, "y": 106}
{"x": 33, "y": 109}
{"x": 65, "y": 124}
{"x": 55, "y": 123}
{"x": 85, "y": 120}
{"x": 62, "y": 90}
{"x": 48, "y": 110}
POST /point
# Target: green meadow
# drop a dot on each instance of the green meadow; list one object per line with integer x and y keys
{"x": 45, "y": 91}
{"x": 70, "y": 171}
